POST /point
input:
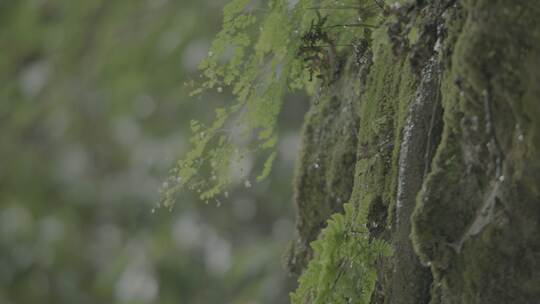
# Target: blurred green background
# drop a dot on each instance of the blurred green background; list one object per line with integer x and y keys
{"x": 93, "y": 114}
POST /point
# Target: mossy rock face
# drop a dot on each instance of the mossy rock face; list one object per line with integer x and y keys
{"x": 324, "y": 178}
{"x": 435, "y": 140}
{"x": 477, "y": 219}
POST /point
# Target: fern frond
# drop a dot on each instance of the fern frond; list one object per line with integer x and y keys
{"x": 255, "y": 56}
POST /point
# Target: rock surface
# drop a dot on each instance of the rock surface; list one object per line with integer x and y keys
{"x": 435, "y": 130}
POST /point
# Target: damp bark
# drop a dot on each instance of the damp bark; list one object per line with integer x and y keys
{"x": 436, "y": 132}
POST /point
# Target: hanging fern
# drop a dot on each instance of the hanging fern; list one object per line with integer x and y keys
{"x": 259, "y": 57}
{"x": 256, "y": 56}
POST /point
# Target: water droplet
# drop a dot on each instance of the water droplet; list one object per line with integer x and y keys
{"x": 316, "y": 165}
{"x": 501, "y": 178}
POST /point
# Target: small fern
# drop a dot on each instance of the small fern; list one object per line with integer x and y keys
{"x": 343, "y": 268}
{"x": 256, "y": 57}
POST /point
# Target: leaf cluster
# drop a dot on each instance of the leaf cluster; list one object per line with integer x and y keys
{"x": 256, "y": 57}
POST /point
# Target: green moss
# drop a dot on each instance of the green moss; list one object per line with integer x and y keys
{"x": 474, "y": 219}
{"x": 324, "y": 174}
{"x": 379, "y": 108}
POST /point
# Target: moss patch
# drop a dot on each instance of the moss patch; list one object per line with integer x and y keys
{"x": 324, "y": 175}
{"x": 478, "y": 212}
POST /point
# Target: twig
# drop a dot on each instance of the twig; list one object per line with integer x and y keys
{"x": 351, "y": 25}
{"x": 342, "y": 7}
